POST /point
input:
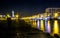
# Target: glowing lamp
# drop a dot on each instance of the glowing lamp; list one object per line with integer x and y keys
{"x": 17, "y": 16}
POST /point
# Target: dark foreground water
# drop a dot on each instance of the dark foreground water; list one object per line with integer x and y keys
{"x": 13, "y": 29}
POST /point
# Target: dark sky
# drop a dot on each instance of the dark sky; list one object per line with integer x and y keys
{"x": 27, "y": 7}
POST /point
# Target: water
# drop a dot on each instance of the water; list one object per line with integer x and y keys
{"x": 12, "y": 29}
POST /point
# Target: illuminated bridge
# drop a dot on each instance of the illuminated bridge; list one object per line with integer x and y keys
{"x": 47, "y": 22}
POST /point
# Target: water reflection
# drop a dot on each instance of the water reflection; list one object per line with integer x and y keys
{"x": 56, "y": 27}
{"x": 20, "y": 29}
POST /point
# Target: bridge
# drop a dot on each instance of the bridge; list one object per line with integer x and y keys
{"x": 47, "y": 22}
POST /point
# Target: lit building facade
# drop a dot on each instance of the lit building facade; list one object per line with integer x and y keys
{"x": 53, "y": 12}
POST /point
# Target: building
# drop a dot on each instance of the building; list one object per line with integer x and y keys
{"x": 54, "y": 12}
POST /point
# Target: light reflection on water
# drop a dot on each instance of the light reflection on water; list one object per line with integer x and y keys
{"x": 25, "y": 35}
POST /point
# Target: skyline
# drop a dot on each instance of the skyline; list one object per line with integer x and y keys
{"x": 27, "y": 7}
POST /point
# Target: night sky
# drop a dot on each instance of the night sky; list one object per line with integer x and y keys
{"x": 27, "y": 7}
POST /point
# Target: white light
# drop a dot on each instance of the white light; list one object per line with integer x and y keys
{"x": 12, "y": 13}
{"x": 47, "y": 18}
{"x": 38, "y": 23}
{"x": 41, "y": 18}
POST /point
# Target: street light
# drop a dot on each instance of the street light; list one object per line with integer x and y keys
{"x": 17, "y": 16}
